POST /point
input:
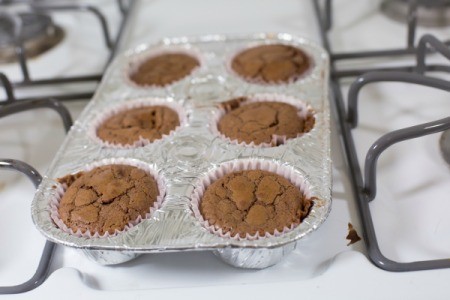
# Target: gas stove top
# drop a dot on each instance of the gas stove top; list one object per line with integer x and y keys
{"x": 408, "y": 212}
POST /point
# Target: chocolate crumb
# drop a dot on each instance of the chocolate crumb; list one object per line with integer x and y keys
{"x": 352, "y": 235}
{"x": 232, "y": 104}
{"x": 69, "y": 179}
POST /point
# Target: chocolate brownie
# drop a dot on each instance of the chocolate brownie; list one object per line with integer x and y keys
{"x": 164, "y": 69}
{"x": 253, "y": 201}
{"x": 106, "y": 198}
{"x": 271, "y": 63}
{"x": 148, "y": 122}
{"x": 260, "y": 122}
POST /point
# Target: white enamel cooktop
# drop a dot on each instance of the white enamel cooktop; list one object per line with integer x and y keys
{"x": 409, "y": 212}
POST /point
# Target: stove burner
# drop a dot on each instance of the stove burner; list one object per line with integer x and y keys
{"x": 38, "y": 34}
{"x": 430, "y": 13}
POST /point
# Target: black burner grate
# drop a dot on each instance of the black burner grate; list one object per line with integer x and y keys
{"x": 124, "y": 6}
{"x": 15, "y": 29}
{"x": 13, "y": 107}
{"x": 364, "y": 187}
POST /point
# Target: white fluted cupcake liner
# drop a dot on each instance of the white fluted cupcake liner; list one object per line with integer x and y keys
{"x": 300, "y": 78}
{"x": 240, "y": 165}
{"x": 303, "y": 109}
{"x": 61, "y": 189}
{"x": 138, "y": 59}
{"x": 132, "y": 104}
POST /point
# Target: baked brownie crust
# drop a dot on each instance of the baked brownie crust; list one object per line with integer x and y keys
{"x": 107, "y": 198}
{"x": 164, "y": 69}
{"x": 149, "y": 122}
{"x": 259, "y": 122}
{"x": 253, "y": 201}
{"x": 271, "y": 63}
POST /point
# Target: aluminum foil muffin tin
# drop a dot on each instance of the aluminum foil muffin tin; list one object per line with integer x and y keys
{"x": 185, "y": 156}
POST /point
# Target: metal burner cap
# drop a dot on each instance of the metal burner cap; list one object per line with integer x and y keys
{"x": 430, "y": 13}
{"x": 37, "y": 32}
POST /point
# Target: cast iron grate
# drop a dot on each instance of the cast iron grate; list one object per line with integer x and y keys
{"x": 364, "y": 187}
{"x": 13, "y": 105}
{"x": 10, "y": 107}
{"x": 124, "y": 6}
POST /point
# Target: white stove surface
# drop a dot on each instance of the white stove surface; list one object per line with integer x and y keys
{"x": 410, "y": 211}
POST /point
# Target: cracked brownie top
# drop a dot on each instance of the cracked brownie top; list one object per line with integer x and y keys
{"x": 271, "y": 63}
{"x": 263, "y": 122}
{"x": 148, "y": 122}
{"x": 253, "y": 201}
{"x": 164, "y": 69}
{"x": 106, "y": 198}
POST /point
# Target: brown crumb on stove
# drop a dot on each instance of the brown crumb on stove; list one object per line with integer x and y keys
{"x": 2, "y": 185}
{"x": 352, "y": 235}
